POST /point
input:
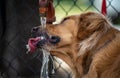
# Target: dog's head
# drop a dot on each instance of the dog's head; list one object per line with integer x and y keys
{"x": 73, "y": 29}
{"x": 73, "y": 33}
{"x": 66, "y": 30}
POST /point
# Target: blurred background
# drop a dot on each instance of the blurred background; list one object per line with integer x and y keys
{"x": 18, "y": 17}
{"x": 69, "y": 7}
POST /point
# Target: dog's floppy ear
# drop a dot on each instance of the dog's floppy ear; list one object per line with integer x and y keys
{"x": 91, "y": 22}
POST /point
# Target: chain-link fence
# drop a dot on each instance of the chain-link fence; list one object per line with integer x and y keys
{"x": 69, "y": 7}
{"x": 17, "y": 19}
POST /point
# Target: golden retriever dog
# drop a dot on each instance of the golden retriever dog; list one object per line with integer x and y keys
{"x": 89, "y": 44}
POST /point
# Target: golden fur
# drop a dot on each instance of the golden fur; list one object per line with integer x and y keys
{"x": 89, "y": 45}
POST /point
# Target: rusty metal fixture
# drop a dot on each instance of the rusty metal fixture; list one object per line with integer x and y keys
{"x": 47, "y": 10}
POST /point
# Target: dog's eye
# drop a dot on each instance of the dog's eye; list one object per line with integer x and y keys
{"x": 65, "y": 19}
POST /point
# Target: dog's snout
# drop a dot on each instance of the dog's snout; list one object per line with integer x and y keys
{"x": 35, "y": 29}
{"x": 54, "y": 39}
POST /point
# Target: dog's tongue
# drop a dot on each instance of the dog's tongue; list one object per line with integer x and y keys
{"x": 32, "y": 42}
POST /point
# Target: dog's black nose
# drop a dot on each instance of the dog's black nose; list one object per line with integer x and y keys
{"x": 35, "y": 29}
{"x": 54, "y": 39}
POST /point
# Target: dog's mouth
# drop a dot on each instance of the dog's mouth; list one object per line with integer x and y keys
{"x": 41, "y": 39}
